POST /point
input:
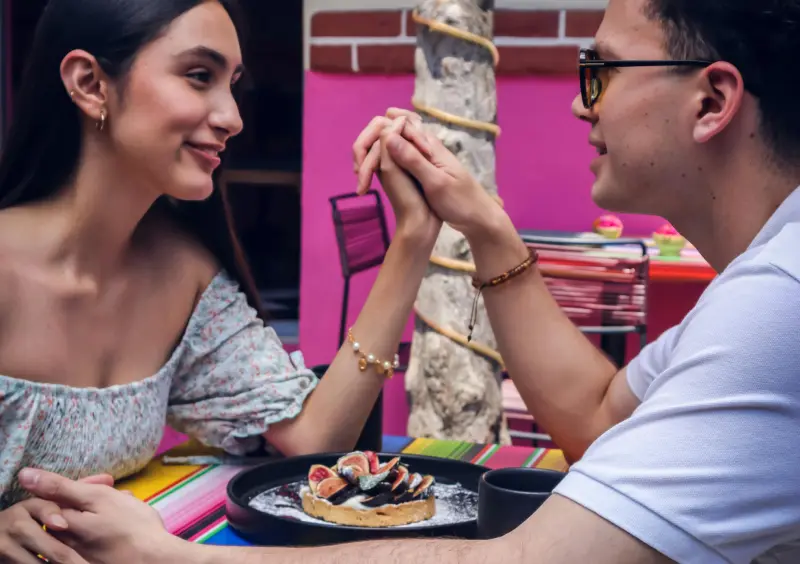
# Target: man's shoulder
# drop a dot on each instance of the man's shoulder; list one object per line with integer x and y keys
{"x": 783, "y": 251}
{"x": 769, "y": 273}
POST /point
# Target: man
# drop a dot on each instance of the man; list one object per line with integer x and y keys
{"x": 691, "y": 452}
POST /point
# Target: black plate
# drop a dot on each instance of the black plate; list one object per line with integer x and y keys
{"x": 270, "y": 530}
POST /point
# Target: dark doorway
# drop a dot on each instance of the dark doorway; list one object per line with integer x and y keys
{"x": 264, "y": 165}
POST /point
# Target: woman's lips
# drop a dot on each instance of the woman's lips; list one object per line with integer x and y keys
{"x": 207, "y": 157}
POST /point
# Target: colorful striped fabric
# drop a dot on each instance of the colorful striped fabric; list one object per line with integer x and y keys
{"x": 191, "y": 499}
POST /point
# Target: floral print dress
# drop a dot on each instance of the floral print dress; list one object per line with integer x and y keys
{"x": 227, "y": 381}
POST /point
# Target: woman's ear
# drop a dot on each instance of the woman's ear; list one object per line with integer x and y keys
{"x": 86, "y": 83}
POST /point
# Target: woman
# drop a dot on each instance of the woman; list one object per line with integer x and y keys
{"x": 124, "y": 298}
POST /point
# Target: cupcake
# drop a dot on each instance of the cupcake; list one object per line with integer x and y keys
{"x": 670, "y": 243}
{"x": 609, "y": 226}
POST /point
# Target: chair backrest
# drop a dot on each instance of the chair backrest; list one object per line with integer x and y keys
{"x": 597, "y": 283}
{"x": 361, "y": 231}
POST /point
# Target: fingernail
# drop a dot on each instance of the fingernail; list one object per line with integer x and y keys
{"x": 399, "y": 123}
{"x": 58, "y": 521}
{"x": 28, "y": 477}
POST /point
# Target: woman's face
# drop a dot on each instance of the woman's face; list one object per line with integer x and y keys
{"x": 176, "y": 110}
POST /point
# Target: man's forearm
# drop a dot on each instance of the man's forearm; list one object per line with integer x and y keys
{"x": 439, "y": 551}
{"x": 562, "y": 377}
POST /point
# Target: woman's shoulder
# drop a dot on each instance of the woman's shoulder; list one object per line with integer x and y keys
{"x": 179, "y": 249}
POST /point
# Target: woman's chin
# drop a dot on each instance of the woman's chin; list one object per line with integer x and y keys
{"x": 194, "y": 191}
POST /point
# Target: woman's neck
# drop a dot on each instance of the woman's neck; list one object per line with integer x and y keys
{"x": 90, "y": 223}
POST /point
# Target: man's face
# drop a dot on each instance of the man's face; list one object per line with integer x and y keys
{"x": 642, "y": 123}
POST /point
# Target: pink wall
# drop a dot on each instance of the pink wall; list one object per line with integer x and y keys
{"x": 542, "y": 173}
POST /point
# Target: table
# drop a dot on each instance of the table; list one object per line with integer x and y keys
{"x": 191, "y": 499}
{"x": 690, "y": 266}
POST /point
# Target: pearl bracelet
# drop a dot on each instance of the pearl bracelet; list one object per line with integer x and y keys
{"x": 383, "y": 367}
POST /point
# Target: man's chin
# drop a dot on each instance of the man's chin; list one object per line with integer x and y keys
{"x": 607, "y": 198}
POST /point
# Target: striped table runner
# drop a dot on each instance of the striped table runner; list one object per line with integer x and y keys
{"x": 191, "y": 499}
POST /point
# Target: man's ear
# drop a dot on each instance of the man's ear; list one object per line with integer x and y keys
{"x": 85, "y": 82}
{"x": 719, "y": 98}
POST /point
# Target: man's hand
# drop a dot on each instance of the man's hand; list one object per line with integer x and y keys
{"x": 451, "y": 192}
{"x": 22, "y": 535}
{"x": 104, "y": 525}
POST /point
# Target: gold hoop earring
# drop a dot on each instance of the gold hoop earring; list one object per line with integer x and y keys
{"x": 101, "y": 125}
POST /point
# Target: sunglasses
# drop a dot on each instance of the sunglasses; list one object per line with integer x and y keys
{"x": 590, "y": 65}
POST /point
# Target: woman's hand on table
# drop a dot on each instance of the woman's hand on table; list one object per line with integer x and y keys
{"x": 415, "y": 220}
{"x": 103, "y": 525}
{"x": 449, "y": 189}
{"x": 22, "y": 536}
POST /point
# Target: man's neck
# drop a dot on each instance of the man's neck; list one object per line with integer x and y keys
{"x": 729, "y": 215}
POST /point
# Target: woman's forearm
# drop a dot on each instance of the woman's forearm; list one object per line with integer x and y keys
{"x": 336, "y": 411}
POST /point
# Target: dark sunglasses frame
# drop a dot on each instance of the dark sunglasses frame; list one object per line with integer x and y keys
{"x": 591, "y": 85}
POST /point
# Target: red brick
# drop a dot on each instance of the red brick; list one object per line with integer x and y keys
{"x": 411, "y": 25}
{"x": 356, "y": 24}
{"x": 332, "y": 58}
{"x": 583, "y": 23}
{"x": 386, "y": 59}
{"x": 525, "y": 23}
{"x": 538, "y": 60}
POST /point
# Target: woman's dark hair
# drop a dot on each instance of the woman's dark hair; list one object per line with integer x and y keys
{"x": 43, "y": 144}
{"x": 761, "y": 38}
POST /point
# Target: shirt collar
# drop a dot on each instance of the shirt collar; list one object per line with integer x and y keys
{"x": 787, "y": 212}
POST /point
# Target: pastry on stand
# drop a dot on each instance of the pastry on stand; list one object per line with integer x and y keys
{"x": 609, "y": 226}
{"x": 670, "y": 243}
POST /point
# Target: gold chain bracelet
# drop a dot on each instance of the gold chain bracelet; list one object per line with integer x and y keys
{"x": 384, "y": 367}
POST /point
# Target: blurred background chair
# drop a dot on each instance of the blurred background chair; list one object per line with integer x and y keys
{"x": 601, "y": 285}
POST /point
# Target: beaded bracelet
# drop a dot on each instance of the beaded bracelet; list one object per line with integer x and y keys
{"x": 533, "y": 258}
{"x": 384, "y": 367}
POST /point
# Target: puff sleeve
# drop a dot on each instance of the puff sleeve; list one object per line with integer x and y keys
{"x": 234, "y": 377}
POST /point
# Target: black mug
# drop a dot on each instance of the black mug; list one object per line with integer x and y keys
{"x": 508, "y": 497}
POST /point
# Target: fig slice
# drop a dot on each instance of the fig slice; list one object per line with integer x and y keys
{"x": 423, "y": 486}
{"x": 374, "y": 463}
{"x": 316, "y": 474}
{"x": 330, "y": 486}
{"x": 351, "y": 474}
{"x": 402, "y": 477}
{"x": 389, "y": 466}
{"x": 370, "y": 481}
{"x": 355, "y": 460}
{"x": 413, "y": 481}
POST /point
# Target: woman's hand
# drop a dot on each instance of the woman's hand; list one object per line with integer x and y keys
{"x": 414, "y": 218}
{"x": 453, "y": 194}
{"x": 104, "y": 525}
{"x": 22, "y": 536}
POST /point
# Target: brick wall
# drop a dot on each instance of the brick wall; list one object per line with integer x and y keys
{"x": 531, "y": 42}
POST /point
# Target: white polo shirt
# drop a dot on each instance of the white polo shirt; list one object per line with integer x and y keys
{"x": 707, "y": 469}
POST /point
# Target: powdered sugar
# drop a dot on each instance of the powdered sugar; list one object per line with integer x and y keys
{"x": 454, "y": 505}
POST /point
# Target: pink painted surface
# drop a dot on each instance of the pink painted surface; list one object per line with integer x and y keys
{"x": 542, "y": 173}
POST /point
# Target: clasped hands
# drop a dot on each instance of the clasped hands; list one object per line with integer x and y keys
{"x": 395, "y": 146}
{"x": 87, "y": 522}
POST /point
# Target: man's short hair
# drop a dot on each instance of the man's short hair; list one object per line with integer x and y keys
{"x": 762, "y": 39}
